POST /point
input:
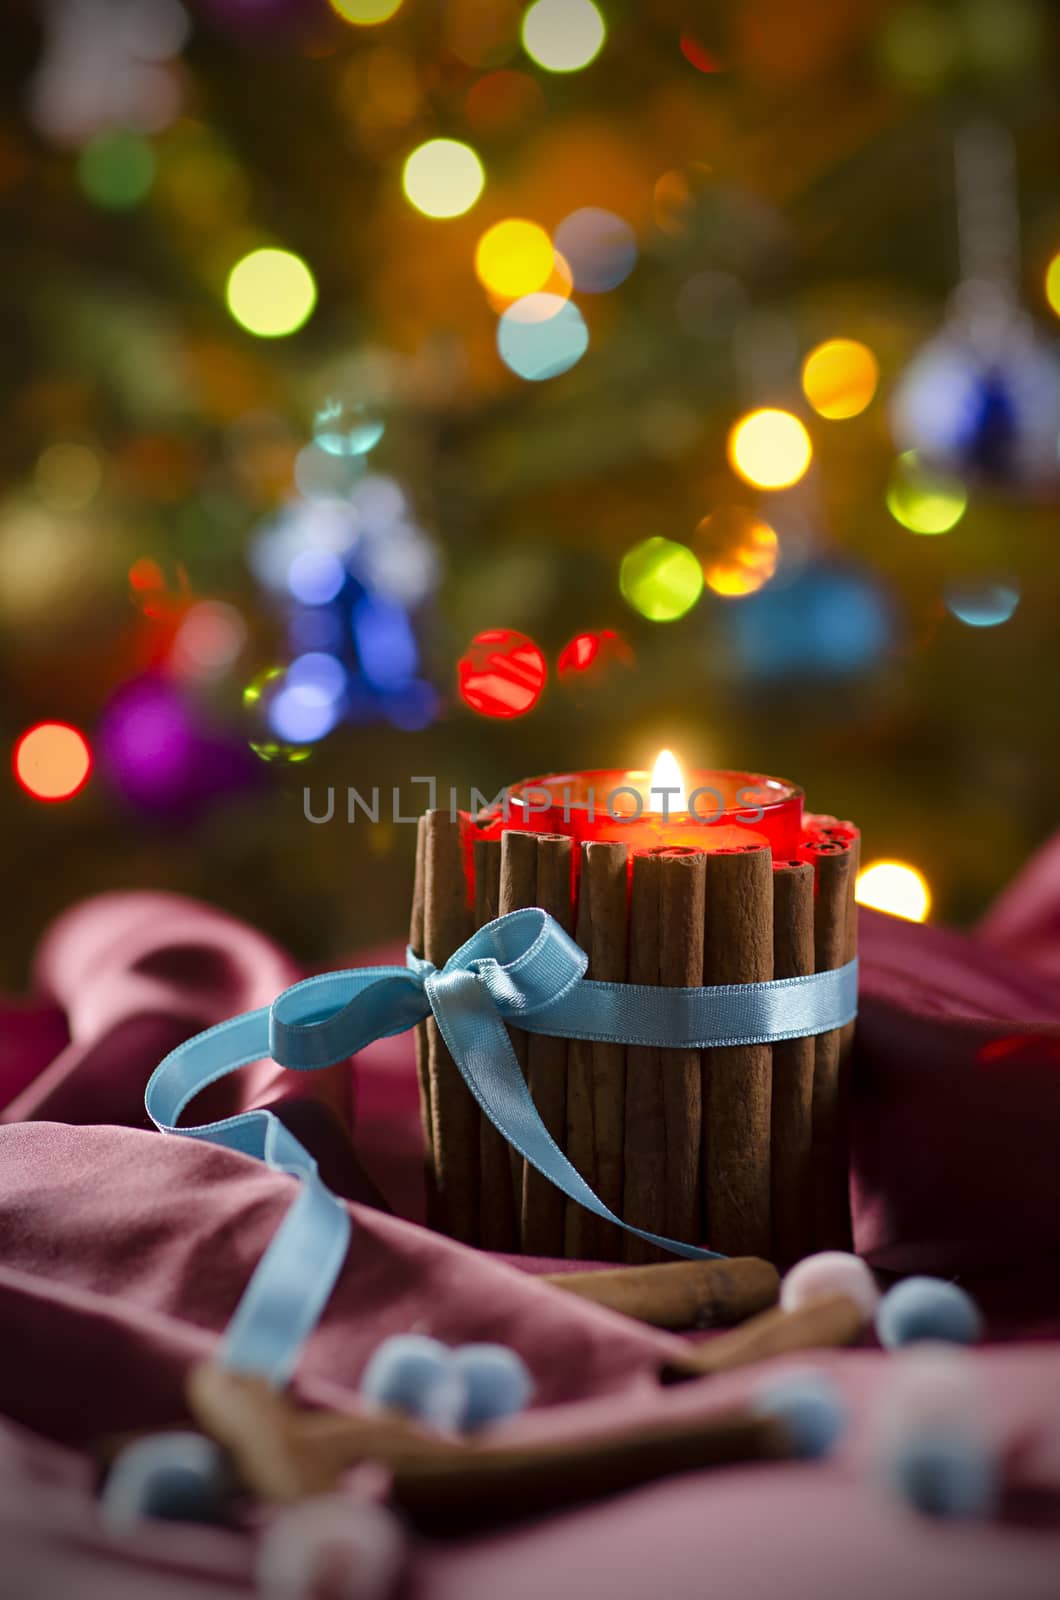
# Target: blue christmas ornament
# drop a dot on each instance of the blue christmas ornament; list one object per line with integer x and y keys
{"x": 987, "y": 408}
{"x": 180, "y": 1477}
{"x": 498, "y": 1383}
{"x": 411, "y": 1373}
{"x": 944, "y": 1471}
{"x": 808, "y": 1404}
{"x": 927, "y": 1308}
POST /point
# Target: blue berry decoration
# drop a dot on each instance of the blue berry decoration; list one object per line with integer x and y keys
{"x": 411, "y": 1373}
{"x": 808, "y": 1404}
{"x": 945, "y": 1471}
{"x": 927, "y": 1308}
{"x": 180, "y": 1477}
{"x": 498, "y": 1383}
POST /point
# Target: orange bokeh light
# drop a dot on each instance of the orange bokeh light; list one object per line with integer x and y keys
{"x": 53, "y": 761}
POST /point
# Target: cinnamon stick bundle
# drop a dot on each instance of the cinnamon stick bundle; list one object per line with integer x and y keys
{"x": 454, "y": 1113}
{"x": 596, "y": 1069}
{"x": 791, "y": 1119}
{"x": 737, "y": 1078}
{"x": 498, "y": 1213}
{"x": 833, "y": 863}
{"x": 544, "y": 1207}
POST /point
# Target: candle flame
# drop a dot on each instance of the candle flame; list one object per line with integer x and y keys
{"x": 667, "y": 774}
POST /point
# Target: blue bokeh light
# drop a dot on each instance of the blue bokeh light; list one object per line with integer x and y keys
{"x": 541, "y": 336}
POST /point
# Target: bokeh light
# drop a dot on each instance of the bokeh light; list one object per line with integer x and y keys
{"x": 769, "y": 448}
{"x": 67, "y": 476}
{"x": 501, "y": 100}
{"x": 1052, "y": 283}
{"x": 365, "y": 13}
{"x": 896, "y": 887}
{"x": 924, "y": 499}
{"x": 386, "y": 646}
{"x": 208, "y": 640}
{"x": 599, "y": 247}
{"x": 839, "y": 378}
{"x": 316, "y": 576}
{"x": 116, "y": 169}
{"x": 347, "y": 427}
{"x": 53, "y": 761}
{"x": 661, "y": 579}
{"x": 738, "y": 550}
{"x": 502, "y": 674}
{"x": 443, "y": 178}
{"x": 271, "y": 293}
{"x": 828, "y": 621}
{"x": 563, "y": 35}
{"x": 514, "y": 258}
{"x": 982, "y": 605}
{"x": 588, "y": 661}
{"x": 541, "y": 335}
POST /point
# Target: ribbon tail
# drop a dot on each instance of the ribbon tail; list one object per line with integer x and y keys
{"x": 478, "y": 1042}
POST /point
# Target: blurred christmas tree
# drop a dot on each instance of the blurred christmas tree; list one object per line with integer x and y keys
{"x": 708, "y": 349}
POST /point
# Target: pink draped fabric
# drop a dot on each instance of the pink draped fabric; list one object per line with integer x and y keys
{"x": 122, "y": 1253}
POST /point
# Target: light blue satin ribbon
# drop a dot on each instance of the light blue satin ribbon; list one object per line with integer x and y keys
{"x": 521, "y": 969}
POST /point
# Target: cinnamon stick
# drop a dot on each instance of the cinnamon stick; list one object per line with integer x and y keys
{"x": 416, "y": 920}
{"x": 544, "y": 1207}
{"x": 283, "y": 1453}
{"x": 680, "y": 1294}
{"x": 737, "y": 1078}
{"x": 833, "y": 862}
{"x": 454, "y": 1113}
{"x": 823, "y": 1324}
{"x": 498, "y": 1215}
{"x": 793, "y": 1072}
{"x": 518, "y": 889}
{"x": 644, "y": 1184}
{"x": 596, "y": 1069}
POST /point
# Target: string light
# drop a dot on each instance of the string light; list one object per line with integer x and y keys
{"x": 53, "y": 761}
{"x": 739, "y": 551}
{"x": 563, "y": 35}
{"x": 661, "y": 579}
{"x": 271, "y": 293}
{"x": 599, "y": 247}
{"x": 502, "y": 674}
{"x": 443, "y": 178}
{"x": 514, "y": 258}
{"x": 982, "y": 605}
{"x": 922, "y": 498}
{"x": 895, "y": 887}
{"x": 839, "y": 378}
{"x": 770, "y": 449}
{"x": 541, "y": 336}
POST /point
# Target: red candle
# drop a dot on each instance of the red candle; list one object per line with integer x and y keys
{"x": 708, "y": 810}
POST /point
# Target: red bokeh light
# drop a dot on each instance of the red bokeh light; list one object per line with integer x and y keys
{"x": 588, "y": 655}
{"x": 698, "y": 54}
{"x": 502, "y": 674}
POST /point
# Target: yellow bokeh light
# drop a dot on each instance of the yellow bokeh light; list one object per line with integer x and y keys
{"x": 365, "y": 13}
{"x": 1052, "y": 283}
{"x": 67, "y": 476}
{"x": 563, "y": 35}
{"x": 514, "y": 258}
{"x": 739, "y": 551}
{"x": 770, "y": 449}
{"x": 443, "y": 178}
{"x": 839, "y": 377}
{"x": 924, "y": 499}
{"x": 271, "y": 293}
{"x": 896, "y": 887}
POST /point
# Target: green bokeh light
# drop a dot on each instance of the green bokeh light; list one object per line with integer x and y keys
{"x": 661, "y": 579}
{"x": 116, "y": 170}
{"x": 923, "y": 499}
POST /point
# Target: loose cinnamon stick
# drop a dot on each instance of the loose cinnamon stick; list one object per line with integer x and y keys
{"x": 454, "y": 1113}
{"x": 793, "y": 1071}
{"x": 644, "y": 1184}
{"x": 737, "y": 1078}
{"x": 419, "y": 894}
{"x": 445, "y": 1485}
{"x": 596, "y": 1070}
{"x": 680, "y": 1294}
{"x": 517, "y": 891}
{"x": 498, "y": 1215}
{"x": 833, "y": 862}
{"x": 544, "y": 1207}
{"x": 824, "y": 1324}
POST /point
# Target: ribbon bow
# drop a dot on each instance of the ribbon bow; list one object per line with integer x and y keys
{"x": 521, "y": 969}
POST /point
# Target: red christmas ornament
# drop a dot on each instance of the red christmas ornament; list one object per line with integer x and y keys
{"x": 502, "y": 674}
